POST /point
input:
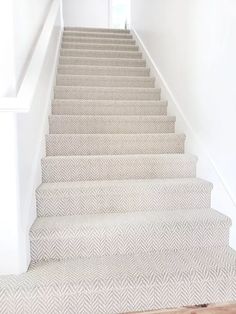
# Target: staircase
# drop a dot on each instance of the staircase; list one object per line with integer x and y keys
{"x": 123, "y": 223}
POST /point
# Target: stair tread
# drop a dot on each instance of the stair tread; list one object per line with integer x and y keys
{"x": 163, "y": 157}
{"x": 96, "y": 34}
{"x": 161, "y": 184}
{"x": 84, "y": 197}
{"x": 136, "y": 55}
{"x": 97, "y": 29}
{"x": 137, "y": 136}
{"x": 141, "y": 63}
{"x": 107, "y": 93}
{"x": 99, "y": 46}
{"x": 118, "y": 89}
{"x": 115, "y": 41}
{"x": 111, "y": 102}
{"x": 117, "y": 144}
{"x": 115, "y": 118}
{"x": 110, "y": 167}
{"x": 106, "y": 77}
{"x": 67, "y": 224}
{"x": 108, "y": 107}
{"x": 74, "y": 80}
{"x": 101, "y": 67}
{"x": 134, "y": 276}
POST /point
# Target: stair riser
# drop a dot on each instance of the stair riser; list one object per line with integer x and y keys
{"x": 96, "y": 35}
{"x": 102, "y": 62}
{"x": 108, "y": 81}
{"x": 98, "y": 70}
{"x": 113, "y": 41}
{"x": 70, "y": 169}
{"x": 129, "y": 239}
{"x": 120, "y": 198}
{"x": 77, "y": 109}
{"x": 99, "y": 46}
{"x": 59, "y": 145}
{"x": 100, "y": 54}
{"x": 97, "y": 30}
{"x": 105, "y": 94}
{"x": 106, "y": 125}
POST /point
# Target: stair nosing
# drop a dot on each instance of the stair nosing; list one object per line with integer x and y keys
{"x": 101, "y": 51}
{"x": 116, "y": 89}
{"x": 109, "y": 102}
{"x": 107, "y": 77}
{"x": 73, "y": 39}
{"x": 184, "y": 156}
{"x": 98, "y": 67}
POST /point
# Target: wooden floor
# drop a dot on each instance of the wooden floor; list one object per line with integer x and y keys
{"x": 210, "y": 309}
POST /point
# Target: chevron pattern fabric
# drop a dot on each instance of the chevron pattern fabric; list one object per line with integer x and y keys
{"x": 86, "y": 236}
{"x": 110, "y": 124}
{"x": 94, "y": 197}
{"x": 109, "y": 107}
{"x": 123, "y": 223}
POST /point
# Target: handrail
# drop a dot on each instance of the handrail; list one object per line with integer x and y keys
{"x": 22, "y": 101}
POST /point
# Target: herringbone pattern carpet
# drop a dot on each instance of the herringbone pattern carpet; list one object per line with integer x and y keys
{"x": 123, "y": 223}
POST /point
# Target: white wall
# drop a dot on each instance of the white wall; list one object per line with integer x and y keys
{"x": 7, "y": 66}
{"x": 193, "y": 47}
{"x": 22, "y": 147}
{"x": 28, "y": 17}
{"x": 86, "y": 13}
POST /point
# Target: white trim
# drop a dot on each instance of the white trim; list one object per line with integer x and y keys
{"x": 156, "y": 72}
{"x": 22, "y": 101}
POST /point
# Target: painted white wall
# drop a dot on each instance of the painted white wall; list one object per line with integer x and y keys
{"x": 28, "y": 17}
{"x": 86, "y": 13}
{"x": 192, "y": 46}
{"x": 20, "y": 25}
{"x": 22, "y": 147}
{"x": 7, "y": 67}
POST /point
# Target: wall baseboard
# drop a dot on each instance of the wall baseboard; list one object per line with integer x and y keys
{"x": 222, "y": 199}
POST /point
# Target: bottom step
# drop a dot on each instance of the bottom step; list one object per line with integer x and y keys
{"x": 121, "y": 284}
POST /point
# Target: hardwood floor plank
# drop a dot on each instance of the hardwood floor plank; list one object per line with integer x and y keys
{"x": 210, "y": 309}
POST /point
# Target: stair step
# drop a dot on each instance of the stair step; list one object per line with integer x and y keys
{"x": 106, "y": 93}
{"x": 91, "y": 46}
{"x": 105, "y": 81}
{"x": 108, "y": 62}
{"x": 113, "y": 144}
{"x": 117, "y": 167}
{"x": 95, "y": 197}
{"x": 97, "y": 30}
{"x": 108, "y": 107}
{"x": 96, "y": 40}
{"x": 121, "y": 284}
{"x": 97, "y": 34}
{"x": 103, "y": 70}
{"x": 101, "y": 53}
{"x": 72, "y": 124}
{"x": 122, "y": 233}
